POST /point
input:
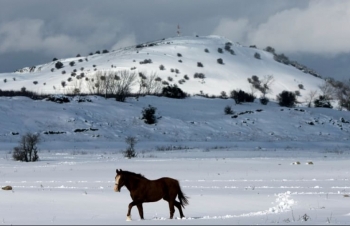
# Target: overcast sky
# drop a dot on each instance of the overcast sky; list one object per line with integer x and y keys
{"x": 315, "y": 33}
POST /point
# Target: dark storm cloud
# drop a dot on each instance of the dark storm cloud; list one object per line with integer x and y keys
{"x": 45, "y": 29}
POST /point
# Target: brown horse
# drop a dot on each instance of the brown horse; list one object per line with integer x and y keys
{"x": 144, "y": 190}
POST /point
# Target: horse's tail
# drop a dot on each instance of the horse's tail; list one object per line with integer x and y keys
{"x": 182, "y": 197}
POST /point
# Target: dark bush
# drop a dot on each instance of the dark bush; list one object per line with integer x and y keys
{"x": 322, "y": 102}
{"x": 173, "y": 92}
{"x": 161, "y": 67}
{"x": 286, "y": 99}
{"x": 301, "y": 86}
{"x": 223, "y": 95}
{"x": 257, "y": 56}
{"x": 264, "y": 100}
{"x": 105, "y": 51}
{"x": 170, "y": 79}
{"x": 69, "y": 79}
{"x": 179, "y": 55}
{"x": 199, "y": 75}
{"x": 148, "y": 115}
{"x": 72, "y": 63}
{"x": 58, "y": 65}
{"x": 206, "y": 50}
{"x": 98, "y": 52}
{"x": 52, "y": 69}
{"x": 220, "y": 61}
{"x": 180, "y": 61}
{"x": 35, "y": 82}
{"x": 228, "y": 110}
{"x": 220, "y": 50}
{"x": 63, "y": 72}
{"x": 27, "y": 150}
{"x": 241, "y": 96}
{"x": 146, "y": 61}
{"x": 177, "y": 71}
{"x": 73, "y": 74}
{"x": 63, "y": 83}
{"x": 172, "y": 70}
{"x": 5, "y": 80}
{"x": 80, "y": 60}
{"x": 78, "y": 55}
{"x": 186, "y": 77}
{"x": 54, "y": 59}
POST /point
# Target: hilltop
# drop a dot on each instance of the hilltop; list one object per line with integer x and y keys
{"x": 198, "y": 65}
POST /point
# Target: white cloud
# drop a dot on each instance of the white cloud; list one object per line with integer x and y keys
{"x": 236, "y": 30}
{"x": 128, "y": 40}
{"x": 29, "y": 35}
{"x": 320, "y": 28}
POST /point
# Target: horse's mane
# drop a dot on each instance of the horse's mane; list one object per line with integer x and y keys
{"x": 138, "y": 175}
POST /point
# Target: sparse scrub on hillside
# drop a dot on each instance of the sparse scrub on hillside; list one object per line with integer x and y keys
{"x": 35, "y": 82}
{"x": 181, "y": 81}
{"x": 105, "y": 51}
{"x": 199, "y": 75}
{"x": 165, "y": 83}
{"x": 206, "y": 50}
{"x": 301, "y": 86}
{"x": 161, "y": 67}
{"x": 240, "y": 96}
{"x": 63, "y": 83}
{"x": 173, "y": 91}
{"x": 54, "y": 59}
{"x": 5, "y": 80}
{"x": 98, "y": 52}
{"x": 146, "y": 61}
{"x": 172, "y": 70}
{"x": 297, "y": 92}
{"x": 179, "y": 55}
{"x": 180, "y": 61}
{"x": 220, "y": 50}
{"x": 186, "y": 77}
{"x": 63, "y": 72}
{"x": 52, "y": 69}
{"x": 170, "y": 79}
{"x": 220, "y": 61}
{"x": 286, "y": 99}
{"x": 72, "y": 63}
{"x": 73, "y": 74}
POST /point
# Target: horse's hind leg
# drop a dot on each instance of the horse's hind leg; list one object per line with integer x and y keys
{"x": 172, "y": 208}
{"x": 178, "y": 206}
{"x": 140, "y": 208}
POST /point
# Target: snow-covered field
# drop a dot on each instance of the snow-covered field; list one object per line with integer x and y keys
{"x": 235, "y": 170}
{"x": 225, "y": 186}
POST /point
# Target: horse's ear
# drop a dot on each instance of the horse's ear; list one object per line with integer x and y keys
{"x": 120, "y": 170}
{"x": 117, "y": 171}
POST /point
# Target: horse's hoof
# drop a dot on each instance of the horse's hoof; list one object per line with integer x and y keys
{"x": 128, "y": 218}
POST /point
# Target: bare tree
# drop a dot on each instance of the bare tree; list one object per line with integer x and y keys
{"x": 328, "y": 90}
{"x": 124, "y": 84}
{"x": 27, "y": 149}
{"x": 310, "y": 97}
{"x": 264, "y": 85}
{"x": 150, "y": 84}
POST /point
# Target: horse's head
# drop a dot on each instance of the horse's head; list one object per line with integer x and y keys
{"x": 119, "y": 181}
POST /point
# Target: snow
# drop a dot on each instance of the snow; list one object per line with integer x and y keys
{"x": 267, "y": 165}
{"x": 233, "y": 74}
{"x": 233, "y": 172}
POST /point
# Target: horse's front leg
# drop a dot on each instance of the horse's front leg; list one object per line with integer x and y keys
{"x": 128, "y": 215}
{"x": 140, "y": 208}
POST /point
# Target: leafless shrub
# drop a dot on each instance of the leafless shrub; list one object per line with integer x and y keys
{"x": 27, "y": 150}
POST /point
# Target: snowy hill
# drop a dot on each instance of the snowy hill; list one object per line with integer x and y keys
{"x": 181, "y": 57}
{"x": 194, "y": 121}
